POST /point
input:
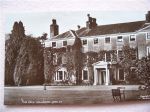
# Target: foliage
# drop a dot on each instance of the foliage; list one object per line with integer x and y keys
{"x": 143, "y": 70}
{"x": 127, "y": 62}
{"x": 23, "y": 58}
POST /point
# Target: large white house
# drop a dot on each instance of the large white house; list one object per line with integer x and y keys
{"x": 97, "y": 38}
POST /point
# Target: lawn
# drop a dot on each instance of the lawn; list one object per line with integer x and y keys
{"x": 65, "y": 94}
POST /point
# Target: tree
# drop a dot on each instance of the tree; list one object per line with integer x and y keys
{"x": 78, "y": 61}
{"x": 143, "y": 70}
{"x": 23, "y": 58}
{"x": 127, "y": 62}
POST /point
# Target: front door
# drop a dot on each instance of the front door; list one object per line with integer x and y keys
{"x": 101, "y": 77}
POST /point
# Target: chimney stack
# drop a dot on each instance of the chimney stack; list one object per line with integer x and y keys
{"x": 91, "y": 23}
{"x": 148, "y": 17}
{"x": 78, "y": 27}
{"x": 54, "y": 28}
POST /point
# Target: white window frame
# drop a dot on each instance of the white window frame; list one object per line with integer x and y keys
{"x": 134, "y": 36}
{"x": 148, "y": 50}
{"x": 86, "y": 42}
{"x": 95, "y": 39}
{"x": 83, "y": 74}
{"x": 120, "y": 40}
{"x": 52, "y": 44}
{"x": 148, "y": 36}
{"x": 109, "y": 40}
{"x": 63, "y": 43}
{"x": 119, "y": 74}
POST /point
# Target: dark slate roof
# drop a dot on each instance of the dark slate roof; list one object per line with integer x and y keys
{"x": 106, "y": 29}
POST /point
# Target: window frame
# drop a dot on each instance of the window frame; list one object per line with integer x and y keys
{"x": 119, "y": 74}
{"x": 65, "y": 43}
{"x": 148, "y": 51}
{"x": 132, "y": 37}
{"x": 107, "y": 40}
{"x": 148, "y": 36}
{"x": 84, "y": 41}
{"x": 83, "y": 78}
{"x": 95, "y": 41}
{"x": 52, "y": 44}
{"x": 118, "y": 40}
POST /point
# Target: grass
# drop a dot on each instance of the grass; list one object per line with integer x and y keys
{"x": 63, "y": 95}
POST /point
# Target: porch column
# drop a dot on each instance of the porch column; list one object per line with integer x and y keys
{"x": 95, "y": 76}
{"x": 107, "y": 76}
{"x": 63, "y": 75}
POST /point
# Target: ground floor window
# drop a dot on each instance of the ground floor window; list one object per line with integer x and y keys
{"x": 121, "y": 74}
{"x": 60, "y": 75}
{"x": 85, "y": 75}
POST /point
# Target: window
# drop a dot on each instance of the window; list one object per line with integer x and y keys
{"x": 120, "y": 54}
{"x": 53, "y": 44}
{"x": 84, "y": 42}
{"x": 64, "y": 43}
{"x": 121, "y": 74}
{"x": 132, "y": 37}
{"x": 107, "y": 40}
{"x": 85, "y": 75}
{"x": 119, "y": 39}
{"x": 148, "y": 51}
{"x": 148, "y": 35}
{"x": 60, "y": 75}
{"x": 108, "y": 56}
{"x": 96, "y": 41}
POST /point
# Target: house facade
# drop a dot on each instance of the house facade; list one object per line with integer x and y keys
{"x": 97, "y": 39}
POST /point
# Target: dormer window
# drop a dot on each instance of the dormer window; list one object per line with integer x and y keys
{"x": 64, "y": 43}
{"x": 96, "y": 41}
{"x": 53, "y": 44}
{"x": 119, "y": 39}
{"x": 148, "y": 35}
{"x": 132, "y": 37}
{"x": 84, "y": 42}
{"x": 107, "y": 40}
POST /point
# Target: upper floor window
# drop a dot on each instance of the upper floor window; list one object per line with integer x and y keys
{"x": 84, "y": 42}
{"x": 148, "y": 50}
{"x": 64, "y": 43}
{"x": 120, "y": 54}
{"x": 119, "y": 39}
{"x": 96, "y": 41}
{"x": 107, "y": 40}
{"x": 148, "y": 36}
{"x": 53, "y": 44}
{"x": 132, "y": 37}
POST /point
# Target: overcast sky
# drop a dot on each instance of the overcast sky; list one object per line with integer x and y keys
{"x": 37, "y": 23}
{"x": 37, "y": 15}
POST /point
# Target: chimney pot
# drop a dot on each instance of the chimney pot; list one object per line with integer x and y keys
{"x": 78, "y": 27}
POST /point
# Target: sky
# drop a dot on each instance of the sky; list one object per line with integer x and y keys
{"x": 36, "y": 23}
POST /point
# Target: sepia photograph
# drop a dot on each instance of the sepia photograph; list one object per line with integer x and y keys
{"x": 80, "y": 57}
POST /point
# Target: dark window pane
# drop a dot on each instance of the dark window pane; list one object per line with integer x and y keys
{"x": 107, "y": 40}
{"x": 121, "y": 74}
{"x": 132, "y": 37}
{"x": 96, "y": 41}
{"x": 64, "y": 43}
{"x": 84, "y": 42}
{"x": 148, "y": 35}
{"x": 108, "y": 56}
{"x": 53, "y": 44}
{"x": 119, "y": 39}
{"x": 60, "y": 75}
{"x": 120, "y": 55}
{"x": 85, "y": 75}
